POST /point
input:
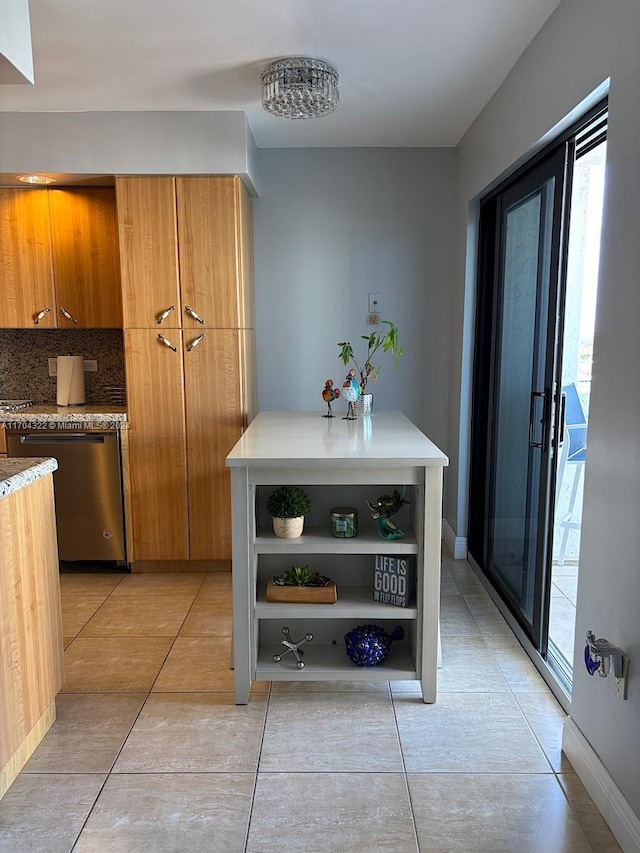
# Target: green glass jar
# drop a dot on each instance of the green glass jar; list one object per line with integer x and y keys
{"x": 344, "y": 522}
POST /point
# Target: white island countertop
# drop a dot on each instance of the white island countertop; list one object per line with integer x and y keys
{"x": 287, "y": 439}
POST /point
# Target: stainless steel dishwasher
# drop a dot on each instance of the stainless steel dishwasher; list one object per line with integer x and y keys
{"x": 87, "y": 488}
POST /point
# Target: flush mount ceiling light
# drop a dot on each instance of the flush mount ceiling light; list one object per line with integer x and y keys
{"x": 35, "y": 179}
{"x": 298, "y": 87}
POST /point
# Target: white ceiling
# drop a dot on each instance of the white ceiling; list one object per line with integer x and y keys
{"x": 412, "y": 72}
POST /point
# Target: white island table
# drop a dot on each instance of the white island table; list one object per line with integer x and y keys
{"x": 339, "y": 463}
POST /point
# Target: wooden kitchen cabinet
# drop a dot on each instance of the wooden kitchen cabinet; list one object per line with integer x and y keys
{"x": 186, "y": 243}
{"x": 216, "y": 257}
{"x": 157, "y": 445}
{"x": 26, "y": 277}
{"x": 59, "y": 254}
{"x": 187, "y": 408}
{"x": 86, "y": 263}
{"x": 190, "y": 384}
{"x": 148, "y": 251}
{"x": 31, "y": 650}
{"x": 216, "y": 418}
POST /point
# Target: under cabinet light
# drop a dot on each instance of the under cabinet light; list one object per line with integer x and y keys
{"x": 35, "y": 179}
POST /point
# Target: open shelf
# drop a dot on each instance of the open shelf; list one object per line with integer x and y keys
{"x": 317, "y": 540}
{"x": 354, "y": 602}
{"x": 330, "y": 663}
{"x": 343, "y": 467}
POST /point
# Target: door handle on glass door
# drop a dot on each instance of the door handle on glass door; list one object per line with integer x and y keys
{"x": 542, "y": 443}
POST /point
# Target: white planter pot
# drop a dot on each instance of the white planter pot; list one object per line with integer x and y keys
{"x": 288, "y": 528}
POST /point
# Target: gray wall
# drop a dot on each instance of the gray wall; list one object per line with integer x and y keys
{"x": 582, "y": 44}
{"x": 331, "y": 226}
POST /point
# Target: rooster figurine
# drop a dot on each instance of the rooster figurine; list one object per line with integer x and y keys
{"x": 329, "y": 394}
{"x": 351, "y": 393}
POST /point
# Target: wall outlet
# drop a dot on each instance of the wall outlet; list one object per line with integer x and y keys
{"x": 375, "y": 303}
{"x": 53, "y": 366}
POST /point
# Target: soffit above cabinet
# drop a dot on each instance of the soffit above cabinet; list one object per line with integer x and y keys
{"x": 10, "y": 179}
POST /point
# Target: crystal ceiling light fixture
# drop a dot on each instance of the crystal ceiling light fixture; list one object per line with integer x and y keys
{"x": 298, "y": 87}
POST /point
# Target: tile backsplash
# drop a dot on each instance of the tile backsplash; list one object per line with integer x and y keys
{"x": 24, "y": 369}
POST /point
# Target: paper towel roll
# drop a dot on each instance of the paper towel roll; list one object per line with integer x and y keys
{"x": 70, "y": 386}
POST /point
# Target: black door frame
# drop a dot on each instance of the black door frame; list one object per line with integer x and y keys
{"x": 559, "y": 156}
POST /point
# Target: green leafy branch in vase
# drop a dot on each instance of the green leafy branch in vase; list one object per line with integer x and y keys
{"x": 385, "y": 339}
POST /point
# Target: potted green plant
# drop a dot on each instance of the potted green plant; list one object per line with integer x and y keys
{"x": 301, "y": 585}
{"x": 288, "y": 505}
{"x": 385, "y": 340}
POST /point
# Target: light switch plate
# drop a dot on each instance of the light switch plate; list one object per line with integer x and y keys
{"x": 53, "y": 366}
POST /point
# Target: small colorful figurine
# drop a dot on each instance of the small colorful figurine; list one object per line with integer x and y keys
{"x": 351, "y": 393}
{"x": 383, "y": 509}
{"x": 329, "y": 394}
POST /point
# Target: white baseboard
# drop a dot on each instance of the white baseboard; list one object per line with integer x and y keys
{"x": 456, "y": 544}
{"x": 622, "y": 820}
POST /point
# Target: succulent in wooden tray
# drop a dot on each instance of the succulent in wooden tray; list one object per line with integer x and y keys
{"x": 301, "y": 576}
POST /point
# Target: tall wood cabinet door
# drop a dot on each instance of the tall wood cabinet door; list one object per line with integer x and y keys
{"x": 245, "y": 256}
{"x": 31, "y": 650}
{"x": 209, "y": 223}
{"x": 86, "y": 263}
{"x": 148, "y": 252}
{"x": 32, "y": 514}
{"x": 215, "y": 421}
{"x": 26, "y": 279}
{"x": 249, "y": 371}
{"x": 13, "y": 727}
{"x": 157, "y": 449}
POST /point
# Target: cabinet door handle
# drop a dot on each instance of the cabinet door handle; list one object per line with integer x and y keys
{"x": 69, "y": 316}
{"x": 195, "y": 342}
{"x": 193, "y": 314}
{"x": 166, "y": 342}
{"x": 162, "y": 317}
{"x": 40, "y": 315}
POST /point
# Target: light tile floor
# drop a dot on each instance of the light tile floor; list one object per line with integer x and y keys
{"x": 149, "y": 752}
{"x": 562, "y": 612}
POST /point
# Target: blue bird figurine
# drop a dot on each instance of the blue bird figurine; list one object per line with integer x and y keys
{"x": 351, "y": 393}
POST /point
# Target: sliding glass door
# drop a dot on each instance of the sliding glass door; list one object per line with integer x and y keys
{"x": 527, "y": 218}
{"x": 518, "y": 404}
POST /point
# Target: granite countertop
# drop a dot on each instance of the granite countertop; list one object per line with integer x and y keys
{"x": 17, "y": 473}
{"x": 91, "y": 415}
